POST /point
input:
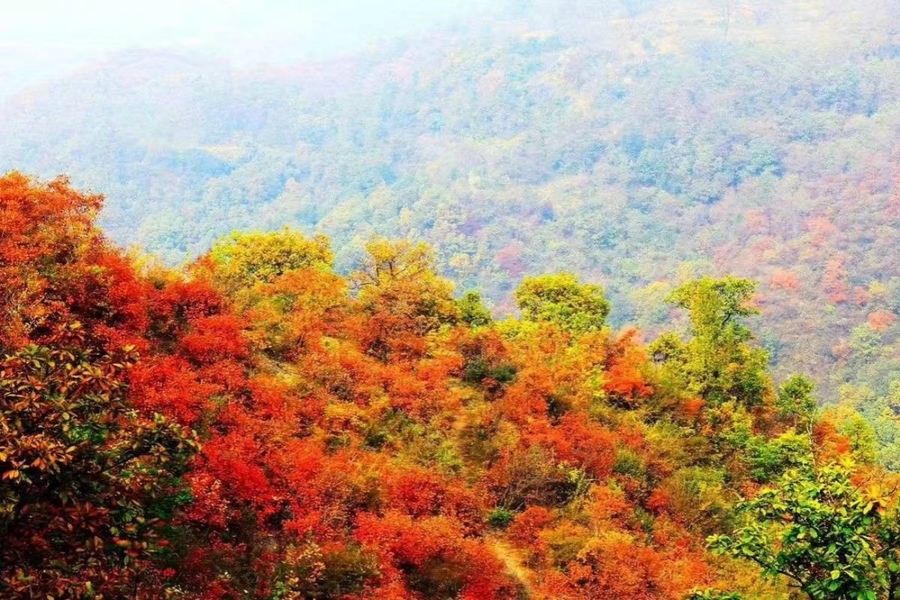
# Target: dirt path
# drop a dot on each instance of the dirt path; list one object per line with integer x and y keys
{"x": 509, "y": 556}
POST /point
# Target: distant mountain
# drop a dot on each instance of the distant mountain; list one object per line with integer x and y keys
{"x": 633, "y": 142}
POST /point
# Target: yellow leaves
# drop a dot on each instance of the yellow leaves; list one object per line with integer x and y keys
{"x": 390, "y": 260}
{"x": 11, "y": 474}
{"x": 461, "y": 263}
{"x": 246, "y": 259}
{"x": 343, "y": 417}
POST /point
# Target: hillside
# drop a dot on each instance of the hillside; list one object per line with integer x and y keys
{"x": 638, "y": 144}
{"x": 257, "y": 426}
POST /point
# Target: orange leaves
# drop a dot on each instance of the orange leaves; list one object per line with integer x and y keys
{"x": 692, "y": 408}
{"x": 582, "y": 443}
{"x": 607, "y": 504}
{"x": 626, "y": 379}
{"x": 46, "y": 231}
{"x": 831, "y": 445}
{"x": 529, "y": 397}
{"x": 881, "y": 320}
{"x": 529, "y": 523}
{"x": 783, "y": 279}
{"x": 763, "y": 247}
{"x": 625, "y": 368}
{"x": 626, "y": 360}
{"x": 658, "y": 501}
{"x": 821, "y": 229}
{"x": 420, "y": 493}
{"x": 213, "y": 339}
{"x": 614, "y": 566}
{"x": 756, "y": 221}
{"x": 367, "y": 447}
{"x": 43, "y": 220}
{"x": 432, "y": 557}
{"x": 407, "y": 392}
{"x": 407, "y": 542}
{"x": 834, "y": 281}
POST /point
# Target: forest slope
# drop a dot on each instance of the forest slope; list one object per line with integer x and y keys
{"x": 638, "y": 144}
{"x": 259, "y": 427}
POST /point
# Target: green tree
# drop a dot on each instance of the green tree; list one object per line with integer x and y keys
{"x": 795, "y": 401}
{"x": 871, "y": 424}
{"x": 560, "y": 299}
{"x": 866, "y": 343}
{"x": 472, "y": 310}
{"x": 816, "y": 528}
{"x": 717, "y": 363}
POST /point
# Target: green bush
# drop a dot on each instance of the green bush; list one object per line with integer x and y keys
{"x": 500, "y": 518}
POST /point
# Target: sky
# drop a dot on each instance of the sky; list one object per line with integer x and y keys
{"x": 41, "y": 39}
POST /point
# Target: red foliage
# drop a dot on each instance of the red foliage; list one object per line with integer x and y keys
{"x": 578, "y": 441}
{"x": 528, "y": 524}
{"x": 510, "y": 259}
{"x": 658, "y": 501}
{"x": 834, "y": 281}
{"x": 361, "y": 443}
{"x": 785, "y": 280}
{"x": 420, "y": 493}
{"x": 881, "y": 320}
{"x": 432, "y": 556}
{"x": 214, "y": 339}
{"x": 820, "y": 229}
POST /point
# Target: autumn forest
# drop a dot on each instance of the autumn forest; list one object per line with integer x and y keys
{"x": 588, "y": 300}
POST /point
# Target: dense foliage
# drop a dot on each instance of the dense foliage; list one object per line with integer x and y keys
{"x": 820, "y": 530}
{"x": 639, "y": 144}
{"x": 259, "y": 426}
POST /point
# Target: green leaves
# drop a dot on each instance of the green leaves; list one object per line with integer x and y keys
{"x": 472, "y": 311}
{"x": 819, "y": 530}
{"x": 717, "y": 363}
{"x": 795, "y": 400}
{"x": 562, "y": 300}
